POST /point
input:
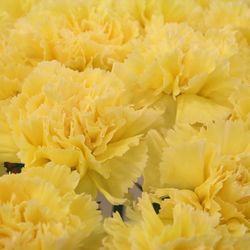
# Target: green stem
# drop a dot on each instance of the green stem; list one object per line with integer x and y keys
{"x": 119, "y": 209}
{"x": 13, "y": 168}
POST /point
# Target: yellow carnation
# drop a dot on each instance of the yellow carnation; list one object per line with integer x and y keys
{"x": 17, "y": 8}
{"x": 82, "y": 120}
{"x": 12, "y": 67}
{"x": 229, "y": 13}
{"x": 213, "y": 162}
{"x": 171, "y": 11}
{"x": 40, "y": 210}
{"x": 78, "y": 34}
{"x": 199, "y": 70}
{"x": 177, "y": 226}
{"x": 178, "y": 11}
{"x": 96, "y": 93}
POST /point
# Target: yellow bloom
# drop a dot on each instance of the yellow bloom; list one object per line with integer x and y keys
{"x": 213, "y": 162}
{"x": 171, "y": 11}
{"x": 17, "y": 8}
{"x": 233, "y": 13}
{"x": 82, "y": 120}
{"x": 78, "y": 34}
{"x": 5, "y": 24}
{"x": 10, "y": 12}
{"x": 199, "y": 70}
{"x": 177, "y": 11}
{"x": 12, "y": 69}
{"x": 40, "y": 210}
{"x": 177, "y": 226}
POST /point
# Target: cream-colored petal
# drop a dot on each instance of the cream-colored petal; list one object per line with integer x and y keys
{"x": 195, "y": 109}
{"x": 182, "y": 166}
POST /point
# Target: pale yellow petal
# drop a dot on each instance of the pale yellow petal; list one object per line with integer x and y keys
{"x": 152, "y": 174}
{"x": 124, "y": 171}
{"x": 182, "y": 166}
{"x": 195, "y": 109}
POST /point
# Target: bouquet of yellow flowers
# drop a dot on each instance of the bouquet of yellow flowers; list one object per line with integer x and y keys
{"x": 144, "y": 103}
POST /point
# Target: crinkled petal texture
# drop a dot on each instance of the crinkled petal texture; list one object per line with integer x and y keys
{"x": 241, "y": 102}
{"x": 13, "y": 65}
{"x": 235, "y": 14}
{"x": 83, "y": 120}
{"x": 86, "y": 33}
{"x": 177, "y": 226}
{"x": 78, "y": 34}
{"x": 212, "y": 162}
{"x": 17, "y": 8}
{"x": 10, "y": 11}
{"x": 200, "y": 70}
{"x": 39, "y": 209}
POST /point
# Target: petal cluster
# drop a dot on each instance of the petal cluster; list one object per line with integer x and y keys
{"x": 97, "y": 96}
{"x": 84, "y": 121}
{"x": 179, "y": 225}
{"x": 38, "y": 211}
{"x": 212, "y": 163}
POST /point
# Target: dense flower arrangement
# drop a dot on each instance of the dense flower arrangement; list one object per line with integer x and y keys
{"x": 95, "y": 94}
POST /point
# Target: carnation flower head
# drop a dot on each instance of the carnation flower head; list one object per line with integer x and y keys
{"x": 171, "y": 11}
{"x": 85, "y": 121}
{"x": 229, "y": 13}
{"x": 76, "y": 33}
{"x": 178, "y": 11}
{"x": 199, "y": 70}
{"x": 17, "y": 8}
{"x": 176, "y": 226}
{"x": 212, "y": 162}
{"x": 40, "y": 211}
{"x": 83, "y": 34}
{"x": 12, "y": 66}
